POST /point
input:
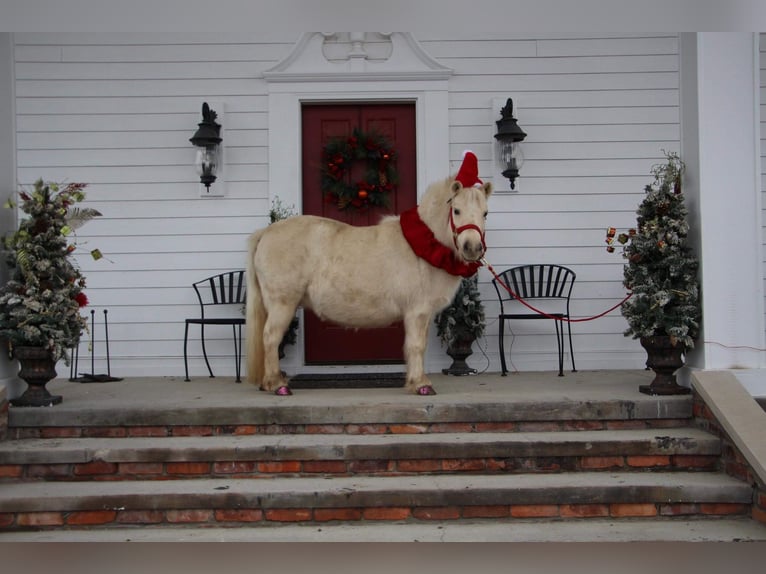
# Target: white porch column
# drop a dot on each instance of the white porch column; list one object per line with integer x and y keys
{"x": 8, "y": 380}
{"x": 721, "y": 146}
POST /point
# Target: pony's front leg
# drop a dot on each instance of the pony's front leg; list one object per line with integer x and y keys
{"x": 416, "y": 333}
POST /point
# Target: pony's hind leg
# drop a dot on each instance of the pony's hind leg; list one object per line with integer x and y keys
{"x": 277, "y": 322}
{"x": 416, "y": 332}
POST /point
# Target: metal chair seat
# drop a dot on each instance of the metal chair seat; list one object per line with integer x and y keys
{"x": 222, "y": 289}
{"x": 537, "y": 282}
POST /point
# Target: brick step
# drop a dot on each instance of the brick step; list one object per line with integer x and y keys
{"x": 162, "y": 408}
{"x": 265, "y": 455}
{"x": 236, "y": 502}
{"x": 400, "y": 427}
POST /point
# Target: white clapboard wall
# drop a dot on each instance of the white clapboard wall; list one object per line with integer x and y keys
{"x": 117, "y": 111}
{"x": 763, "y": 140}
{"x": 598, "y": 112}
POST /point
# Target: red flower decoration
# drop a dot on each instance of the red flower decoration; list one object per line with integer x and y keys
{"x": 81, "y": 298}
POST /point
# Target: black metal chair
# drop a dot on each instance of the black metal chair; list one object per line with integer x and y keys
{"x": 222, "y": 289}
{"x": 549, "y": 283}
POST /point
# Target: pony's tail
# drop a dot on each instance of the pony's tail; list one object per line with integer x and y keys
{"x": 255, "y": 316}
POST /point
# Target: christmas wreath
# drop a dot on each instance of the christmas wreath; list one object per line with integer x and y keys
{"x": 338, "y": 157}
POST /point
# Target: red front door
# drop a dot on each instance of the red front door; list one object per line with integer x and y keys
{"x": 326, "y": 343}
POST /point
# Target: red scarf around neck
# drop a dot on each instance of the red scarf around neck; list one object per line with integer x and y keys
{"x": 426, "y": 246}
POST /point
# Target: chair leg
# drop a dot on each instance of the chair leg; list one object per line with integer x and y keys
{"x": 186, "y": 362}
{"x": 237, "y": 350}
{"x": 560, "y": 345}
{"x": 504, "y": 370}
{"x": 571, "y": 349}
{"x": 204, "y": 351}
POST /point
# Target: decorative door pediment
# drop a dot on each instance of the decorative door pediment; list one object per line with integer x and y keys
{"x": 357, "y": 56}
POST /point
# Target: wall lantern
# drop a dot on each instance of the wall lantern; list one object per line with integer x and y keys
{"x": 208, "y": 140}
{"x": 508, "y": 145}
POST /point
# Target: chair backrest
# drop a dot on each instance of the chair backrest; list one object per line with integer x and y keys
{"x": 222, "y": 289}
{"x": 539, "y": 281}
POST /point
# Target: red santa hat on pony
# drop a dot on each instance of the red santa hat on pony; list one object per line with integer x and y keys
{"x": 468, "y": 174}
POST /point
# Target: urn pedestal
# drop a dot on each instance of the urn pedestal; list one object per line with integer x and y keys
{"x": 37, "y": 368}
{"x": 460, "y": 350}
{"x": 664, "y": 358}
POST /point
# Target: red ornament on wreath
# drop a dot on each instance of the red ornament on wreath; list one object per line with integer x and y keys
{"x": 339, "y": 156}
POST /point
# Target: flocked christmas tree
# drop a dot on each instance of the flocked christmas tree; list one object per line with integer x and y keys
{"x": 40, "y": 304}
{"x": 459, "y": 324}
{"x": 464, "y": 318}
{"x": 661, "y": 270}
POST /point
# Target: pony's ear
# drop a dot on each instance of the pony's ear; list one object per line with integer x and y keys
{"x": 456, "y": 187}
{"x": 487, "y": 187}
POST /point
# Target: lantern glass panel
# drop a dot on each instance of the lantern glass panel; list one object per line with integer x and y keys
{"x": 208, "y": 160}
{"x": 509, "y": 155}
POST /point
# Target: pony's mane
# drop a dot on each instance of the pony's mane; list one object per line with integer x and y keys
{"x": 434, "y": 209}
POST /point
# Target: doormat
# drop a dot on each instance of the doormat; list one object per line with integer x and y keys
{"x": 348, "y": 381}
{"x": 90, "y": 378}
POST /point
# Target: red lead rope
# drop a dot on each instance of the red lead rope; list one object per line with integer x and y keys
{"x": 543, "y": 313}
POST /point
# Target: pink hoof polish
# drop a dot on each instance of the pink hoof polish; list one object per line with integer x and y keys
{"x": 283, "y": 392}
{"x": 426, "y": 390}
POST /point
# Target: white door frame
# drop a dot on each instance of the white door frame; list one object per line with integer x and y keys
{"x": 306, "y": 76}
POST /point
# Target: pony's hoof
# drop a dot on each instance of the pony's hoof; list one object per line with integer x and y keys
{"x": 283, "y": 391}
{"x": 426, "y": 390}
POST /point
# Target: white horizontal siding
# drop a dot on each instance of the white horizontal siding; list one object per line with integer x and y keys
{"x": 762, "y": 54}
{"x": 117, "y": 111}
{"x": 598, "y": 112}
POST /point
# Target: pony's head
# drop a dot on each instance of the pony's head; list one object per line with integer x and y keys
{"x": 467, "y": 215}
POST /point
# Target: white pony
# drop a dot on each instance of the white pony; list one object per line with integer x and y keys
{"x": 363, "y": 276}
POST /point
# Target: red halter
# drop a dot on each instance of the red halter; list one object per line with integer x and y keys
{"x": 458, "y": 230}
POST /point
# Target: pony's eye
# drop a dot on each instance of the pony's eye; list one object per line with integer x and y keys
{"x": 485, "y": 214}
{"x": 456, "y": 211}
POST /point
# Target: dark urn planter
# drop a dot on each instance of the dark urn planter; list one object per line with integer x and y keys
{"x": 460, "y": 350}
{"x": 664, "y": 358}
{"x": 37, "y": 368}
{"x": 289, "y": 338}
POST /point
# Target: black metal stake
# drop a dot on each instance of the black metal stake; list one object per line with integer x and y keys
{"x": 92, "y": 377}
{"x": 93, "y": 341}
{"x": 106, "y": 335}
{"x": 75, "y": 359}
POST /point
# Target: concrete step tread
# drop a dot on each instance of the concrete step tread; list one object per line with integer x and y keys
{"x": 591, "y": 530}
{"x": 585, "y": 395}
{"x": 375, "y": 491}
{"x": 672, "y": 441}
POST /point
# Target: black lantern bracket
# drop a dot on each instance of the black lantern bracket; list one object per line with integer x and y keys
{"x": 509, "y": 156}
{"x": 210, "y": 158}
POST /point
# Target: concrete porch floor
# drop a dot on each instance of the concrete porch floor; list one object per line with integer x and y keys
{"x": 167, "y": 395}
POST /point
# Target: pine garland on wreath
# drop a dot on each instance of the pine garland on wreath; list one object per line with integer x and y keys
{"x": 380, "y": 177}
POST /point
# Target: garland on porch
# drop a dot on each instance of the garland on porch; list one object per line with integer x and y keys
{"x": 380, "y": 176}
